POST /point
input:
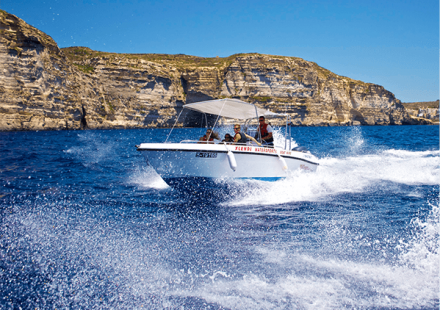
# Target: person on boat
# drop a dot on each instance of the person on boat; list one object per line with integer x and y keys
{"x": 228, "y": 138}
{"x": 241, "y": 137}
{"x": 265, "y": 132}
{"x": 209, "y": 137}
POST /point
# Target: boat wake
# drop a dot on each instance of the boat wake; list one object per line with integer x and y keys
{"x": 353, "y": 174}
{"x": 289, "y": 277}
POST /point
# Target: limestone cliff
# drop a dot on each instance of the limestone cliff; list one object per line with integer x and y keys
{"x": 44, "y": 87}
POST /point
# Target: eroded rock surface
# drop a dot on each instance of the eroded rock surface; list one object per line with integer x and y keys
{"x": 43, "y": 87}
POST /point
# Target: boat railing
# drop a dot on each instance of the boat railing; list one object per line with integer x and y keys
{"x": 206, "y": 142}
{"x": 222, "y": 143}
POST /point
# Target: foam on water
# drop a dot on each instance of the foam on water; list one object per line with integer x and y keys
{"x": 82, "y": 260}
{"x": 284, "y": 277}
{"x": 422, "y": 251}
{"x": 85, "y": 260}
{"x": 343, "y": 175}
{"x": 93, "y": 149}
{"x": 147, "y": 177}
{"x": 279, "y": 139}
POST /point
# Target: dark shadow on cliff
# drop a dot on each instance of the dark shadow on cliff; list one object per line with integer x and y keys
{"x": 357, "y": 116}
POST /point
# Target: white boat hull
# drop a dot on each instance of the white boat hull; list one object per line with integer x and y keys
{"x": 179, "y": 160}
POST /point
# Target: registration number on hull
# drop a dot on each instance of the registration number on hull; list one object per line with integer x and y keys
{"x": 207, "y": 154}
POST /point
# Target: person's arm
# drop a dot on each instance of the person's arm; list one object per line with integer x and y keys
{"x": 252, "y": 139}
{"x": 237, "y": 138}
{"x": 269, "y": 133}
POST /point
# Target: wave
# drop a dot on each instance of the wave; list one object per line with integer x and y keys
{"x": 334, "y": 176}
{"x": 93, "y": 149}
{"x": 77, "y": 257}
{"x": 146, "y": 178}
{"x": 286, "y": 276}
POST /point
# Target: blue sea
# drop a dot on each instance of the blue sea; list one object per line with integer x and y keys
{"x": 85, "y": 223}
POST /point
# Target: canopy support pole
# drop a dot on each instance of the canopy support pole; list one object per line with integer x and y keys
{"x": 288, "y": 135}
{"x": 258, "y": 128}
{"x": 174, "y": 125}
{"x": 218, "y": 115}
{"x": 206, "y": 120}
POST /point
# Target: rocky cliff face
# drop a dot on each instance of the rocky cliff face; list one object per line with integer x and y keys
{"x": 43, "y": 87}
{"x": 38, "y": 88}
{"x": 311, "y": 94}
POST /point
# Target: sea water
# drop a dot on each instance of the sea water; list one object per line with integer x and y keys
{"x": 86, "y": 223}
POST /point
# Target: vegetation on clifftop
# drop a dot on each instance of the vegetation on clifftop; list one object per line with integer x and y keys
{"x": 85, "y": 68}
{"x": 421, "y": 105}
{"x": 181, "y": 61}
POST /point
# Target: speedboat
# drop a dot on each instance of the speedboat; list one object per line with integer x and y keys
{"x": 195, "y": 159}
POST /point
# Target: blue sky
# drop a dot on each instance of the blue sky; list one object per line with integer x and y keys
{"x": 391, "y": 43}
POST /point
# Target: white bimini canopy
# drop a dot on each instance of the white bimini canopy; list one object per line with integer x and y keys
{"x": 230, "y": 108}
